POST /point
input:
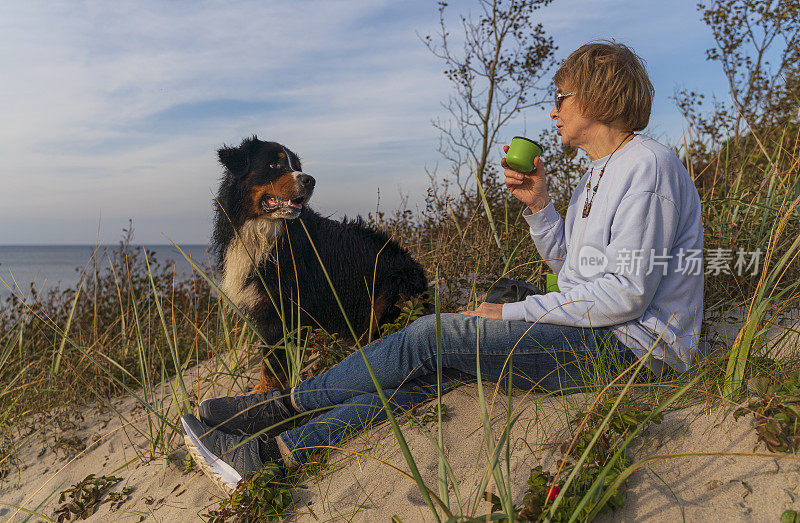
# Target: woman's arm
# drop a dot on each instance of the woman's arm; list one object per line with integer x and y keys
{"x": 546, "y": 225}
{"x": 547, "y": 231}
{"x": 619, "y": 295}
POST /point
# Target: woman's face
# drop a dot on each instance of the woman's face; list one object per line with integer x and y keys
{"x": 573, "y": 128}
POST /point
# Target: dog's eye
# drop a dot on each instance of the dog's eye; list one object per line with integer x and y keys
{"x": 274, "y": 165}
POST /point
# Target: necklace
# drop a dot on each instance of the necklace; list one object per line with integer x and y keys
{"x": 588, "y": 205}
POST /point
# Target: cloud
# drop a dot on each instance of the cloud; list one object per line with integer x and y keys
{"x": 117, "y": 108}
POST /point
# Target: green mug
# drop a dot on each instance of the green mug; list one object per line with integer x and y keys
{"x": 521, "y": 153}
{"x": 551, "y": 282}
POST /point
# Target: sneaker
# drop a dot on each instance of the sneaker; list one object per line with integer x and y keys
{"x": 250, "y": 414}
{"x": 224, "y": 457}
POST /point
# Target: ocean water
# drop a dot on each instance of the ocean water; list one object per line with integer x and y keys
{"x": 48, "y": 266}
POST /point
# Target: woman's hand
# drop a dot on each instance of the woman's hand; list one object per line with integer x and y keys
{"x": 492, "y": 311}
{"x": 529, "y": 188}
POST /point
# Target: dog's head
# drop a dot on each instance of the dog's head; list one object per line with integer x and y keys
{"x": 267, "y": 178}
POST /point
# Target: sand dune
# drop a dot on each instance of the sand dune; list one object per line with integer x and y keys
{"x": 363, "y": 488}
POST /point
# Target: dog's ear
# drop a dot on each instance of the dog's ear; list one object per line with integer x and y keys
{"x": 234, "y": 159}
{"x": 237, "y": 160}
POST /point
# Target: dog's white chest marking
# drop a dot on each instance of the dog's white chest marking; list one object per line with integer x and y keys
{"x": 254, "y": 244}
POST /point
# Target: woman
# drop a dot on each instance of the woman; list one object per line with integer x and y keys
{"x": 632, "y": 229}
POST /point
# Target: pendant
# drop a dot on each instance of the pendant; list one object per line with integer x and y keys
{"x": 586, "y": 208}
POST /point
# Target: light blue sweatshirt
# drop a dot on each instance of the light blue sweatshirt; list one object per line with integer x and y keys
{"x": 636, "y": 262}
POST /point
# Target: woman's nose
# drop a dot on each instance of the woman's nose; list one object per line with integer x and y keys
{"x": 553, "y": 113}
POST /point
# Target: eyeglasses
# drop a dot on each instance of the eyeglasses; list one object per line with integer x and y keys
{"x": 560, "y": 99}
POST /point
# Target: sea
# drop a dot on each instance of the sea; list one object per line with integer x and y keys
{"x": 50, "y": 266}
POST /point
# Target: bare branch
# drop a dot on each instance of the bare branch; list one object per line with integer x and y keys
{"x": 499, "y": 73}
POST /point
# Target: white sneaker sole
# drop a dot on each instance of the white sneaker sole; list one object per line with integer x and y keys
{"x": 220, "y": 472}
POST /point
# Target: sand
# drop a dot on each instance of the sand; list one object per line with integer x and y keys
{"x": 360, "y": 484}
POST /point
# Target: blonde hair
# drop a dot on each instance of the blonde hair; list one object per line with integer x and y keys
{"x": 610, "y": 83}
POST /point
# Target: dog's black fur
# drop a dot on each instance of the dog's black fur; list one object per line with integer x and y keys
{"x": 261, "y": 209}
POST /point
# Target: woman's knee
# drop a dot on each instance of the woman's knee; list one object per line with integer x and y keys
{"x": 450, "y": 323}
{"x": 422, "y": 327}
{"x": 418, "y": 343}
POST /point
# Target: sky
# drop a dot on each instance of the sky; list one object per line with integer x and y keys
{"x": 113, "y": 111}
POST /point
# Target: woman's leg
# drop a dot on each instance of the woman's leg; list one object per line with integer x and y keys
{"x": 550, "y": 356}
{"x": 553, "y": 357}
{"x": 357, "y": 414}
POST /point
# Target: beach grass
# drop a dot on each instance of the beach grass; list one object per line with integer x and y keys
{"x": 134, "y": 329}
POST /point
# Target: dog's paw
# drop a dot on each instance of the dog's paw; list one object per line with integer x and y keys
{"x": 267, "y": 383}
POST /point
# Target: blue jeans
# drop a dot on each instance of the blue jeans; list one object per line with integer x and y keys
{"x": 551, "y": 357}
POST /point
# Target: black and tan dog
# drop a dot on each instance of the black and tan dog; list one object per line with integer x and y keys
{"x": 261, "y": 211}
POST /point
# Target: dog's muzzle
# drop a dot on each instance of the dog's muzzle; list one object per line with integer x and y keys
{"x": 305, "y": 185}
{"x": 291, "y": 208}
{"x": 305, "y": 182}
